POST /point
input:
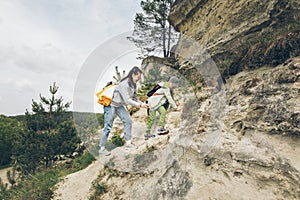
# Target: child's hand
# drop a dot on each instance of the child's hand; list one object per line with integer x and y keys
{"x": 179, "y": 108}
{"x": 177, "y": 103}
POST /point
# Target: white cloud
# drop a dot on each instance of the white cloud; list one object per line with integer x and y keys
{"x": 47, "y": 41}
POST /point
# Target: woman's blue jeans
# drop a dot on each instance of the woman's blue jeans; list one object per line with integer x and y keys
{"x": 122, "y": 113}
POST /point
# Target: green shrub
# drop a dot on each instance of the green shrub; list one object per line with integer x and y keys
{"x": 99, "y": 190}
{"x": 117, "y": 140}
{"x": 83, "y": 161}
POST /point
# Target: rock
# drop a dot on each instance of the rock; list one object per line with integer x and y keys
{"x": 241, "y": 34}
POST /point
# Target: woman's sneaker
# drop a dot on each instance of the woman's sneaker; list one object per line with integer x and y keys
{"x": 148, "y": 136}
{"x": 162, "y": 131}
{"x": 104, "y": 152}
{"x": 130, "y": 146}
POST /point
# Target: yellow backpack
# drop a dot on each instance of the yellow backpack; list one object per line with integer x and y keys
{"x": 106, "y": 94}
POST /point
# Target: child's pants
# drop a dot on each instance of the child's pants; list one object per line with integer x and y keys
{"x": 162, "y": 118}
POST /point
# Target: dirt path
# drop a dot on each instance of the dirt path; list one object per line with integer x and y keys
{"x": 77, "y": 185}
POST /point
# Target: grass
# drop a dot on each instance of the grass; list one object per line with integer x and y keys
{"x": 40, "y": 186}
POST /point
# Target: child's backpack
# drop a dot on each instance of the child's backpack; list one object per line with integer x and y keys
{"x": 106, "y": 94}
{"x": 153, "y": 90}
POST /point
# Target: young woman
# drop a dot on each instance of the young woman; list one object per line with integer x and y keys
{"x": 125, "y": 93}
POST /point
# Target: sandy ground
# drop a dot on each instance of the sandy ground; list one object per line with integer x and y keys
{"x": 76, "y": 186}
{"x": 3, "y": 174}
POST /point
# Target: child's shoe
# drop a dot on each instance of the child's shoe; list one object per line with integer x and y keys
{"x": 148, "y": 136}
{"x": 162, "y": 131}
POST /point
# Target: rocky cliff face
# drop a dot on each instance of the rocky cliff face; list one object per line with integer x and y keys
{"x": 251, "y": 152}
{"x": 242, "y": 34}
{"x": 239, "y": 140}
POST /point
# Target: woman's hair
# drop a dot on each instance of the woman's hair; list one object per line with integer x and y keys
{"x": 135, "y": 70}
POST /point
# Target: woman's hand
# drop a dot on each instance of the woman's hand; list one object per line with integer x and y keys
{"x": 144, "y": 105}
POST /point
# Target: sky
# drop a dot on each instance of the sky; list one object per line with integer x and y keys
{"x": 44, "y": 41}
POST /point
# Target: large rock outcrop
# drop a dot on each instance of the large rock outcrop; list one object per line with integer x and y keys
{"x": 242, "y": 34}
{"x": 243, "y": 154}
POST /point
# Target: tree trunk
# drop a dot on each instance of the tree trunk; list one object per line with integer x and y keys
{"x": 164, "y": 43}
{"x": 169, "y": 40}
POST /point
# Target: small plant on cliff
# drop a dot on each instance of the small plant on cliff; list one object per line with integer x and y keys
{"x": 99, "y": 190}
{"x": 118, "y": 77}
{"x": 117, "y": 140}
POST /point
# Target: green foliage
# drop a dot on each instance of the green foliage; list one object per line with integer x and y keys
{"x": 50, "y": 133}
{"x": 83, "y": 161}
{"x": 40, "y": 185}
{"x": 67, "y": 140}
{"x": 34, "y": 187}
{"x": 99, "y": 186}
{"x": 8, "y": 133}
{"x": 35, "y": 142}
{"x": 100, "y": 118}
{"x": 117, "y": 140}
{"x": 109, "y": 164}
{"x": 99, "y": 190}
{"x": 26, "y": 151}
{"x": 152, "y": 31}
{"x": 109, "y": 170}
{"x": 48, "y": 113}
{"x": 87, "y": 125}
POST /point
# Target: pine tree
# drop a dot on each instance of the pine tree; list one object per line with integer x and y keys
{"x": 8, "y": 129}
{"x": 49, "y": 133}
{"x": 152, "y": 31}
{"x": 27, "y": 153}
